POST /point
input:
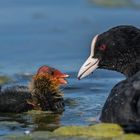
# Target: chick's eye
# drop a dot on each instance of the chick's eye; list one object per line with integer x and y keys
{"x": 52, "y": 73}
{"x": 102, "y": 47}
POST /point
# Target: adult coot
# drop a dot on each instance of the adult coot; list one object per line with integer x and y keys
{"x": 118, "y": 49}
{"x": 42, "y": 94}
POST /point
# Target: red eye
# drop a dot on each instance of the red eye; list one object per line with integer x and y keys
{"x": 102, "y": 47}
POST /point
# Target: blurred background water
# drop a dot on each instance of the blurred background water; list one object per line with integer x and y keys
{"x": 58, "y": 33}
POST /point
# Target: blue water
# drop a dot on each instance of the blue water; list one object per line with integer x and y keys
{"x": 57, "y": 33}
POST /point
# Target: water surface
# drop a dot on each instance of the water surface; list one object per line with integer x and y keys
{"x": 58, "y": 33}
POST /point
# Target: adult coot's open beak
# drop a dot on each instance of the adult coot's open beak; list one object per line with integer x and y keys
{"x": 91, "y": 63}
{"x": 89, "y": 66}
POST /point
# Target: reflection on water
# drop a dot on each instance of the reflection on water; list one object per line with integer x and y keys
{"x": 83, "y": 100}
{"x": 58, "y": 33}
{"x": 45, "y": 121}
{"x": 31, "y": 121}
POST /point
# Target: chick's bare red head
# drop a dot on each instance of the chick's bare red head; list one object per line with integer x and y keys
{"x": 55, "y": 74}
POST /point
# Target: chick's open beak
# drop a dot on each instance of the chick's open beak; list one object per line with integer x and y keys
{"x": 61, "y": 77}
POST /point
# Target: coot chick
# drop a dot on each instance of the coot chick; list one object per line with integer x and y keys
{"x": 43, "y": 93}
{"x": 118, "y": 49}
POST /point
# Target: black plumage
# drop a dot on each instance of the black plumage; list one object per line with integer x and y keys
{"x": 43, "y": 93}
{"x": 19, "y": 99}
{"x": 123, "y": 104}
{"x": 123, "y": 55}
{"x": 14, "y": 99}
{"x": 122, "y": 52}
{"x": 118, "y": 49}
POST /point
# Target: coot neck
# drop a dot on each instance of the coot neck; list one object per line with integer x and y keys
{"x": 44, "y": 93}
